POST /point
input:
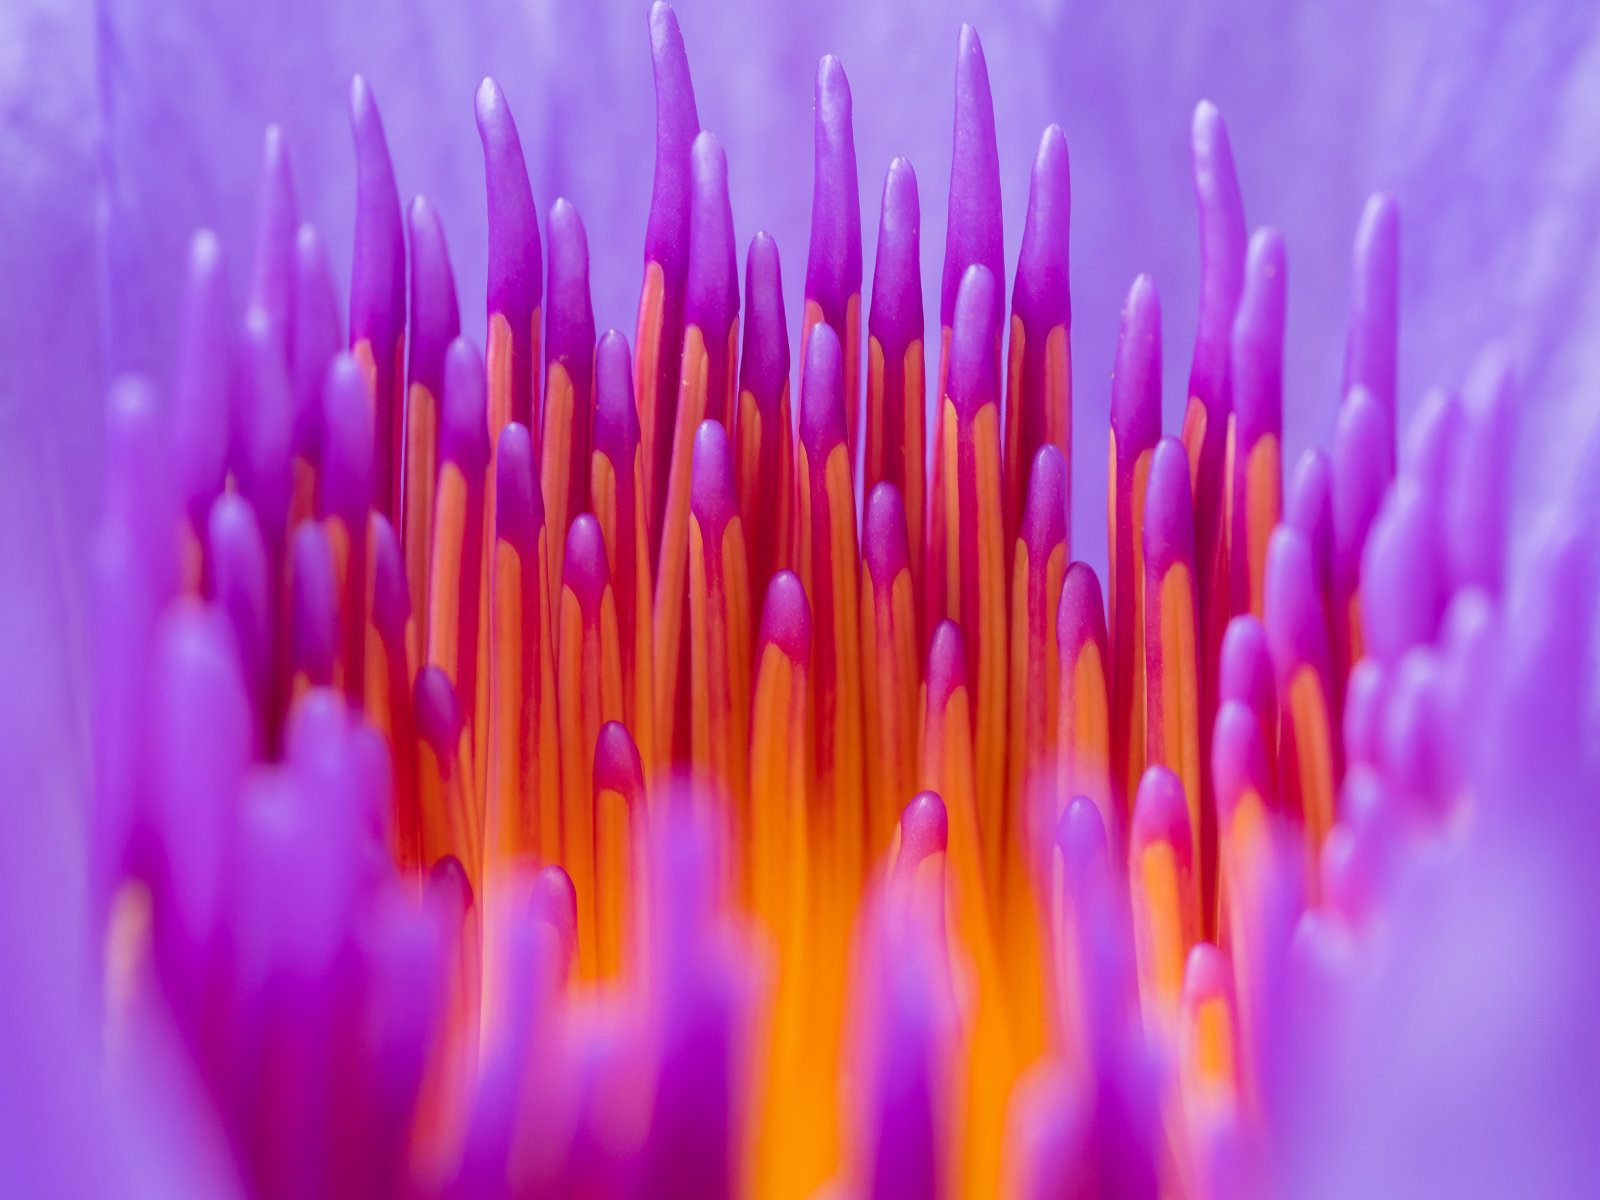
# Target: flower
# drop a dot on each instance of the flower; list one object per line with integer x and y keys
{"x": 386, "y": 847}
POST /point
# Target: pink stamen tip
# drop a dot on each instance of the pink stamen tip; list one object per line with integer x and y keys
{"x": 1477, "y": 502}
{"x": 974, "y": 234}
{"x": 947, "y": 665}
{"x": 435, "y": 314}
{"x": 438, "y": 714}
{"x": 450, "y": 889}
{"x": 241, "y": 582}
{"x": 884, "y": 545}
{"x": 1081, "y": 617}
{"x": 1366, "y": 694}
{"x": 1428, "y": 450}
{"x": 1246, "y": 671}
{"x": 1238, "y": 759}
{"x": 1401, "y": 574}
{"x": 1044, "y": 516}
{"x": 972, "y": 381}
{"x": 1136, "y": 381}
{"x": 833, "y": 267}
{"x": 924, "y": 831}
{"x": 516, "y": 263}
{"x": 617, "y": 766}
{"x": 786, "y": 617}
{"x": 584, "y": 569}
{"x": 822, "y": 419}
{"x": 519, "y": 505}
{"x": 1160, "y": 813}
{"x": 265, "y": 416}
{"x": 554, "y": 901}
{"x": 464, "y": 417}
{"x": 1168, "y": 513}
{"x": 1041, "y": 295}
{"x": 1309, "y": 510}
{"x": 1206, "y": 975}
{"x": 712, "y": 497}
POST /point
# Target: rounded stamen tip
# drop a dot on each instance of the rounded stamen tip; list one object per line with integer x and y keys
{"x": 1363, "y": 464}
{"x": 972, "y": 382}
{"x": 1169, "y": 519}
{"x": 391, "y": 602}
{"x": 1238, "y": 758}
{"x": 712, "y": 498}
{"x": 1081, "y": 837}
{"x": 464, "y": 422}
{"x": 1136, "y": 381}
{"x": 1206, "y": 976}
{"x": 1161, "y": 813}
{"x": 616, "y": 418}
{"x": 570, "y": 317}
{"x": 554, "y": 902}
{"x": 438, "y": 715}
{"x": 1258, "y": 341}
{"x": 314, "y": 623}
{"x": 822, "y": 420}
{"x": 435, "y": 314}
{"x": 1080, "y": 617}
{"x": 348, "y": 442}
{"x": 519, "y": 506}
{"x": 884, "y": 543}
{"x": 924, "y": 830}
{"x": 764, "y": 363}
{"x": 713, "y": 290}
{"x": 786, "y": 617}
{"x": 1044, "y": 515}
{"x": 1400, "y": 593}
{"x": 584, "y": 570}
{"x": 1041, "y": 296}
{"x": 947, "y": 665}
{"x": 617, "y": 766}
{"x": 1245, "y": 670}
{"x": 833, "y": 268}
{"x": 895, "y": 317}
{"x": 974, "y": 233}
{"x": 1296, "y": 623}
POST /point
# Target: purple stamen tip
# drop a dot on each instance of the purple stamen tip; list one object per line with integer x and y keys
{"x": 201, "y": 381}
{"x": 437, "y": 712}
{"x": 1309, "y": 509}
{"x": 1168, "y": 512}
{"x": 1246, "y": 672}
{"x": 1258, "y": 341}
{"x": 833, "y": 268}
{"x": 346, "y": 476}
{"x": 677, "y": 124}
{"x": 314, "y": 626}
{"x": 975, "y": 232}
{"x": 378, "y": 278}
{"x": 885, "y": 546}
{"x": 569, "y": 320}
{"x": 1400, "y": 574}
{"x": 1160, "y": 812}
{"x": 947, "y": 665}
{"x": 272, "y": 273}
{"x": 519, "y": 507}
{"x": 318, "y": 336}
{"x": 435, "y": 314}
{"x": 240, "y": 583}
{"x": 712, "y": 302}
{"x": 822, "y": 396}
{"x": 516, "y": 266}
{"x": 1365, "y": 695}
{"x": 1081, "y": 616}
{"x": 786, "y": 617}
{"x": 764, "y": 363}
{"x": 1371, "y": 350}
{"x": 391, "y": 602}
{"x": 1081, "y": 837}
{"x": 1041, "y": 295}
{"x": 1363, "y": 464}
{"x": 1296, "y": 622}
{"x": 584, "y": 570}
{"x": 1427, "y": 451}
{"x": 924, "y": 828}
{"x": 972, "y": 382}
{"x": 617, "y": 766}
{"x": 712, "y": 497}
{"x": 1136, "y": 381}
{"x": 1238, "y": 758}
{"x": 1044, "y": 515}
{"x": 1222, "y": 250}
{"x": 1476, "y": 503}
{"x": 265, "y": 424}
{"x": 464, "y": 416}
{"x": 896, "y": 317}
{"x": 616, "y": 419}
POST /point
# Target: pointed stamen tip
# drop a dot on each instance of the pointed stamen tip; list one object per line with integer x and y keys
{"x": 1136, "y": 383}
{"x": 832, "y": 91}
{"x": 1378, "y": 235}
{"x": 363, "y": 105}
{"x": 617, "y": 765}
{"x": 947, "y": 665}
{"x": 464, "y": 422}
{"x": 438, "y": 714}
{"x": 884, "y": 543}
{"x": 969, "y": 49}
{"x": 975, "y": 233}
{"x": 1041, "y": 295}
{"x": 435, "y": 314}
{"x": 1160, "y": 812}
{"x": 786, "y": 617}
{"x": 1080, "y": 617}
{"x": 347, "y": 441}
{"x": 972, "y": 342}
{"x": 822, "y": 419}
{"x": 616, "y": 419}
{"x": 1245, "y": 671}
{"x": 924, "y": 829}
{"x": 1238, "y": 757}
{"x": 584, "y": 569}
{"x": 712, "y": 496}
{"x": 516, "y": 274}
{"x": 519, "y": 506}
{"x": 1168, "y": 509}
{"x": 1044, "y": 513}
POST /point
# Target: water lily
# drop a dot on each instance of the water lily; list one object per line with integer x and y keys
{"x": 548, "y": 726}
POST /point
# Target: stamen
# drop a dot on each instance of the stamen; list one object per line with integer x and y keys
{"x": 764, "y": 461}
{"x": 378, "y": 291}
{"x": 313, "y": 613}
{"x": 1402, "y": 574}
{"x": 658, "y": 341}
{"x": 346, "y": 496}
{"x": 1257, "y": 378}
{"x": 516, "y": 268}
{"x": 1309, "y": 511}
{"x": 241, "y": 585}
{"x": 1363, "y": 465}
{"x": 1249, "y": 677}
{"x": 569, "y": 383}
{"x": 1083, "y": 735}
{"x": 890, "y": 676}
{"x": 318, "y": 336}
{"x": 1476, "y": 507}
{"x": 1166, "y": 894}
{"x": 391, "y": 660}
{"x": 451, "y": 818}
{"x": 621, "y": 881}
{"x": 1135, "y": 430}
{"x": 833, "y": 266}
{"x": 435, "y": 323}
{"x": 589, "y": 684}
{"x": 922, "y": 838}
{"x": 896, "y": 372}
{"x": 200, "y": 417}
{"x": 1209, "y": 1057}
{"x": 1039, "y": 378}
{"x": 1372, "y": 349}
{"x": 272, "y": 268}
{"x": 265, "y": 416}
